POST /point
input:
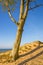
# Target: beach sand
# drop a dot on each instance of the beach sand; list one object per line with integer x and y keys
{"x": 29, "y": 54}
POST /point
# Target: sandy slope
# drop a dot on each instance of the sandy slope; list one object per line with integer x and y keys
{"x": 29, "y": 54}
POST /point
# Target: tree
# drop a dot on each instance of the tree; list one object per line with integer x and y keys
{"x": 24, "y": 9}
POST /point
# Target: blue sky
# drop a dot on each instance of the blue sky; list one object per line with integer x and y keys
{"x": 33, "y": 29}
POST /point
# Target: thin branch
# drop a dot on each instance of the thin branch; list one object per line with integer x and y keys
{"x": 12, "y": 18}
{"x": 35, "y": 7}
{"x": 32, "y": 0}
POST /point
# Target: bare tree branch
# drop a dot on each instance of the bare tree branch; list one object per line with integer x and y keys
{"x": 32, "y": 0}
{"x": 21, "y": 8}
{"x": 26, "y": 9}
{"x": 35, "y": 7}
{"x": 12, "y": 18}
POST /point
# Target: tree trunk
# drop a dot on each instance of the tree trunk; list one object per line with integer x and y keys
{"x": 18, "y": 40}
{"x": 23, "y": 15}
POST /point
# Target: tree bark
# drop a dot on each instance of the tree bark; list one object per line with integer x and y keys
{"x": 15, "y": 50}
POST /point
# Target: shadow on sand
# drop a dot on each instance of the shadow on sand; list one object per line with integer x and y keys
{"x": 24, "y": 61}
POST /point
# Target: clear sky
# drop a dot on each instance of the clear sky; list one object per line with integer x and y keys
{"x": 33, "y": 29}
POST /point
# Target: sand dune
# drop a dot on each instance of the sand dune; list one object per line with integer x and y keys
{"x": 29, "y": 54}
